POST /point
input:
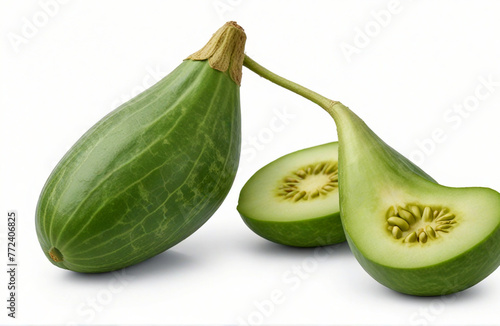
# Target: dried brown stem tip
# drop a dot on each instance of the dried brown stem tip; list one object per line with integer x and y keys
{"x": 225, "y": 50}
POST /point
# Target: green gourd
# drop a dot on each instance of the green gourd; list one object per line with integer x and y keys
{"x": 151, "y": 172}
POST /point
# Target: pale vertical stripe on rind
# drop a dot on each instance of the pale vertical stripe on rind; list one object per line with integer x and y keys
{"x": 156, "y": 248}
{"x": 159, "y": 167}
{"x": 207, "y": 114}
{"x": 100, "y": 124}
{"x": 56, "y": 244}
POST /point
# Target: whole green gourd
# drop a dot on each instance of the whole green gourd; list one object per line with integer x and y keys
{"x": 151, "y": 172}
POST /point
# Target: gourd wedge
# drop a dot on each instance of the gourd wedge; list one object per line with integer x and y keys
{"x": 151, "y": 172}
{"x": 294, "y": 200}
{"x": 409, "y": 233}
{"x": 412, "y": 235}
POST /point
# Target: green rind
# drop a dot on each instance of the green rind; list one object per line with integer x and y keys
{"x": 448, "y": 277}
{"x": 314, "y": 232}
{"x": 147, "y": 175}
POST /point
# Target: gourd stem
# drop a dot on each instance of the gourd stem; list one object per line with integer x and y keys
{"x": 322, "y": 101}
{"x": 225, "y": 50}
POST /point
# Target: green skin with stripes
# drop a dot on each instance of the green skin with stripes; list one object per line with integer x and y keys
{"x": 146, "y": 176}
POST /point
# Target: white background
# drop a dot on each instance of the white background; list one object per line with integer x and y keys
{"x": 405, "y": 77}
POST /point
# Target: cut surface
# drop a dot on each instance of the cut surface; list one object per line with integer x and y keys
{"x": 301, "y": 185}
{"x": 471, "y": 221}
{"x": 294, "y": 199}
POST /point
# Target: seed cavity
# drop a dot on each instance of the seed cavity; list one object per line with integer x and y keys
{"x": 419, "y": 224}
{"x": 310, "y": 182}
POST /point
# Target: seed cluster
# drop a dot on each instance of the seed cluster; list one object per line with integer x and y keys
{"x": 310, "y": 182}
{"x": 415, "y": 225}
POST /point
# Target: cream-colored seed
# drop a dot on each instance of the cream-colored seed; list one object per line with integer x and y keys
{"x": 299, "y": 196}
{"x": 318, "y": 168}
{"x": 399, "y": 222}
{"x": 441, "y": 213}
{"x": 416, "y": 212}
{"x": 412, "y": 237}
{"x": 332, "y": 169}
{"x": 301, "y": 173}
{"x": 446, "y": 217}
{"x": 427, "y": 215}
{"x": 396, "y": 232}
{"x": 392, "y": 212}
{"x": 407, "y": 216}
{"x": 430, "y": 232}
{"x": 443, "y": 227}
{"x": 422, "y": 237}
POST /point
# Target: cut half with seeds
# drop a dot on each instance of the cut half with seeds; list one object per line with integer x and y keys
{"x": 408, "y": 232}
{"x": 294, "y": 200}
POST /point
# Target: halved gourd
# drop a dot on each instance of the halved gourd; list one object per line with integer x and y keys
{"x": 294, "y": 200}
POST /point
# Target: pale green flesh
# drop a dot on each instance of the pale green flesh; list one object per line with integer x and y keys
{"x": 474, "y": 218}
{"x": 374, "y": 177}
{"x": 258, "y": 198}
